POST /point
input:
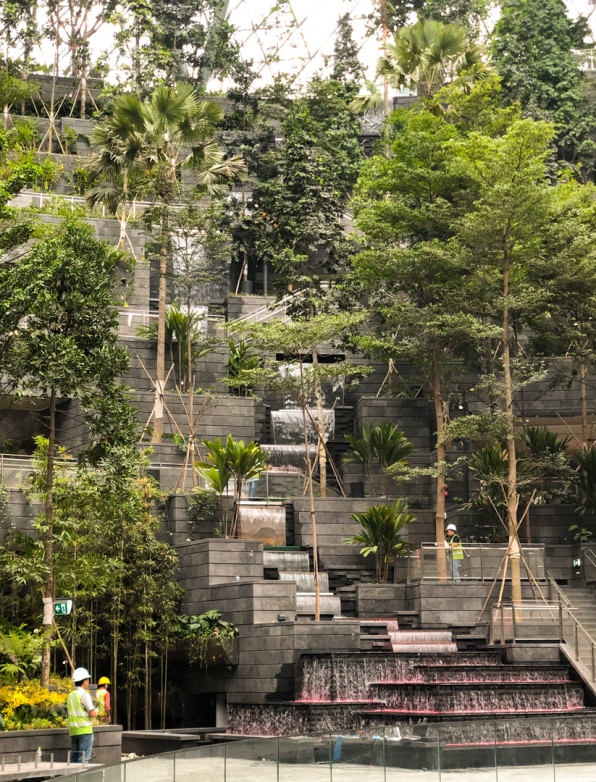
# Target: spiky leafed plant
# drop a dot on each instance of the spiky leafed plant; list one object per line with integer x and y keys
{"x": 428, "y": 54}
{"x": 235, "y": 460}
{"x": 547, "y": 455}
{"x": 181, "y": 329}
{"x": 241, "y": 359}
{"x": 386, "y": 443}
{"x": 583, "y": 462}
{"x": 381, "y": 534}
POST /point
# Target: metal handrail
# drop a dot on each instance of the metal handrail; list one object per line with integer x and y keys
{"x": 578, "y": 630}
{"x": 558, "y": 591}
{"x": 267, "y": 311}
{"x": 589, "y": 555}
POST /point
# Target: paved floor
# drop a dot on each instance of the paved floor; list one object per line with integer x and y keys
{"x": 165, "y": 769}
{"x": 42, "y": 770}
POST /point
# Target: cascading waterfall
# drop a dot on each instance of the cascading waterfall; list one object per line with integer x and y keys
{"x": 367, "y": 691}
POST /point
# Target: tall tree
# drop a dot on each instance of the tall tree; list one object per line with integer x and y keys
{"x": 471, "y": 14}
{"x": 413, "y": 275}
{"x": 304, "y": 377}
{"x": 170, "y": 131}
{"x": 519, "y": 234}
{"x": 160, "y": 42}
{"x": 533, "y": 49}
{"x": 65, "y": 347}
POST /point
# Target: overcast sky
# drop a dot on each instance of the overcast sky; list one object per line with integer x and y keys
{"x": 305, "y": 31}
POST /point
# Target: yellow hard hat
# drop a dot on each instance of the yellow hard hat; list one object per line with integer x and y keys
{"x": 104, "y": 680}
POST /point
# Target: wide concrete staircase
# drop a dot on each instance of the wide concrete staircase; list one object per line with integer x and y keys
{"x": 579, "y": 631}
{"x": 583, "y": 600}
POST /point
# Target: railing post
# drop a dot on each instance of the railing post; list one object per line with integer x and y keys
{"x": 593, "y": 662}
{"x": 576, "y": 634}
{"x": 560, "y": 621}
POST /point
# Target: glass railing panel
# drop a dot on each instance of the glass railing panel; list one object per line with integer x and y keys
{"x": 153, "y": 767}
{"x": 467, "y": 747}
{"x": 524, "y": 744}
{"x": 105, "y": 774}
{"x": 573, "y": 744}
{"x": 207, "y": 763}
{"x": 296, "y": 752}
{"x": 481, "y": 561}
{"x": 256, "y": 760}
{"x": 358, "y": 755}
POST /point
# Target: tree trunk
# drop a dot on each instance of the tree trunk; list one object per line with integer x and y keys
{"x": 160, "y": 366}
{"x": 584, "y": 403}
{"x": 321, "y": 430}
{"x": 440, "y": 483}
{"x": 514, "y": 553}
{"x": 49, "y": 585}
{"x": 311, "y": 496}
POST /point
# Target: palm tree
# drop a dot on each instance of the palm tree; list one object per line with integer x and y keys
{"x": 153, "y": 141}
{"x": 428, "y": 54}
{"x": 235, "y": 460}
{"x": 381, "y": 534}
{"x": 386, "y": 443}
{"x": 184, "y": 339}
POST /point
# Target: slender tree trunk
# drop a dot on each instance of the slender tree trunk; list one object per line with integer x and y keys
{"x": 512, "y": 496}
{"x": 49, "y": 585}
{"x": 584, "y": 402}
{"x": 321, "y": 430}
{"x": 441, "y": 453}
{"x": 147, "y": 694}
{"x": 384, "y": 33}
{"x": 311, "y": 497}
{"x": 160, "y": 366}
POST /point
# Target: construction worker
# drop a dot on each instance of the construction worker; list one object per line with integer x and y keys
{"x": 81, "y": 713}
{"x": 453, "y": 541}
{"x": 102, "y": 696}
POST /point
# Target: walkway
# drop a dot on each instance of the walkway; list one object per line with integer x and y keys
{"x": 160, "y": 768}
{"x": 41, "y": 770}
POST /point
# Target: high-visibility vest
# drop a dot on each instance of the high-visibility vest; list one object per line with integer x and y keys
{"x": 101, "y": 702}
{"x": 457, "y": 551}
{"x": 79, "y": 721}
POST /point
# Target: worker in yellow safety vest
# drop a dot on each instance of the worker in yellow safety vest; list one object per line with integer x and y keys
{"x": 453, "y": 541}
{"x": 104, "y": 706}
{"x": 81, "y": 713}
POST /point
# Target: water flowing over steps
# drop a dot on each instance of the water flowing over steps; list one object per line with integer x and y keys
{"x": 437, "y": 683}
{"x": 385, "y": 635}
{"x": 410, "y": 692}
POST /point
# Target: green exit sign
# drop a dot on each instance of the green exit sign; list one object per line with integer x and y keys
{"x": 62, "y": 607}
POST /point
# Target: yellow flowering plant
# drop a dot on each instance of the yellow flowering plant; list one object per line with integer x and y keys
{"x": 27, "y": 705}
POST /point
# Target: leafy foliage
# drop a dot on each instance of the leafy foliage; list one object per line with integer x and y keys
{"x": 428, "y": 54}
{"x": 202, "y": 632}
{"x": 381, "y": 535}
{"x": 20, "y": 651}
{"x": 533, "y": 49}
{"x": 386, "y": 443}
{"x": 241, "y": 359}
{"x": 234, "y": 460}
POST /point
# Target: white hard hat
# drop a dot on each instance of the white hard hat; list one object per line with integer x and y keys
{"x": 80, "y": 674}
{"x": 452, "y": 526}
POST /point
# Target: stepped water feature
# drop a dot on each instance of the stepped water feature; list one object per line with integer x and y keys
{"x": 350, "y": 692}
{"x": 287, "y": 428}
{"x": 293, "y": 566}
